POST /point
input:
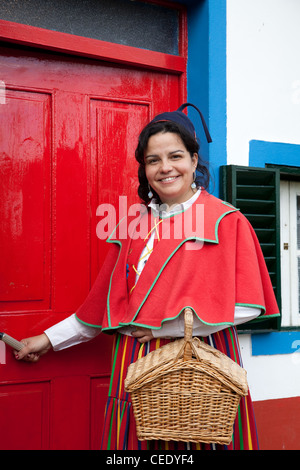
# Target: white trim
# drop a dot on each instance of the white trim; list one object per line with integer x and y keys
{"x": 294, "y": 254}
{"x": 289, "y": 190}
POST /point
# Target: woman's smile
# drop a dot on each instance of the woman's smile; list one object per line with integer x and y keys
{"x": 169, "y": 167}
{"x": 169, "y": 179}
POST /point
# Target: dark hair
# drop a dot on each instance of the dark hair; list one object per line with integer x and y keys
{"x": 191, "y": 144}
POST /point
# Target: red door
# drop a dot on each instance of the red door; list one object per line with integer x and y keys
{"x": 68, "y": 131}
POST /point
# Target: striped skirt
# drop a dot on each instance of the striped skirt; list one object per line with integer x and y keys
{"x": 119, "y": 432}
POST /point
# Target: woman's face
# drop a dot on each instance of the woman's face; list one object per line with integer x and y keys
{"x": 169, "y": 167}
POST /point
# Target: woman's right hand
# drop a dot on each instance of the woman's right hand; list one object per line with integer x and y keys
{"x": 34, "y": 348}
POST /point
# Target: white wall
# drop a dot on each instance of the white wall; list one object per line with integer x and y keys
{"x": 263, "y": 74}
{"x": 263, "y": 103}
{"x": 270, "y": 377}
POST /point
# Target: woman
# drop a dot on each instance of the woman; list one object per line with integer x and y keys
{"x": 187, "y": 248}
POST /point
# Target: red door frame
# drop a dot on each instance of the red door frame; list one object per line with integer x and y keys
{"x": 25, "y": 35}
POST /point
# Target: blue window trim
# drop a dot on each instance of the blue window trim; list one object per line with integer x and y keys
{"x": 262, "y": 153}
{"x": 283, "y": 342}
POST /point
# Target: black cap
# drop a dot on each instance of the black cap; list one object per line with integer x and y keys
{"x": 180, "y": 118}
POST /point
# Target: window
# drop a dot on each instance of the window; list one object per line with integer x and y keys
{"x": 255, "y": 191}
{"x": 133, "y": 23}
{"x": 290, "y": 252}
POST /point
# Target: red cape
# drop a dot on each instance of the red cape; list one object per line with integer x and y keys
{"x": 226, "y": 269}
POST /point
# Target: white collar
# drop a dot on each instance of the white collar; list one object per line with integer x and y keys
{"x": 162, "y": 210}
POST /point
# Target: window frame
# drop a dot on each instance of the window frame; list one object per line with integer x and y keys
{"x": 289, "y": 191}
{"x": 230, "y": 192}
{"x": 18, "y": 33}
{"x": 287, "y": 173}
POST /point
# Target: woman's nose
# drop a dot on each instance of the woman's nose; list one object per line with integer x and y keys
{"x": 165, "y": 166}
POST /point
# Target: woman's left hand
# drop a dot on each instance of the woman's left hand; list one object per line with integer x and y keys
{"x": 143, "y": 334}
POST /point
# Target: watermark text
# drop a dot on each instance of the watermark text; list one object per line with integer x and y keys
{"x": 186, "y": 224}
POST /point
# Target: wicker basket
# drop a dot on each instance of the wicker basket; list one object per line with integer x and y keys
{"x": 186, "y": 391}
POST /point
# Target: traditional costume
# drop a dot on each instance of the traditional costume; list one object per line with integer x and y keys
{"x": 212, "y": 266}
{"x": 203, "y": 255}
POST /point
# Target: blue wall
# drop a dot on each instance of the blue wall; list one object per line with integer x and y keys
{"x": 207, "y": 78}
{"x": 283, "y": 342}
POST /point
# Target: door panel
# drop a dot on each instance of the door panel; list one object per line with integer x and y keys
{"x": 68, "y": 133}
{"x": 115, "y": 126}
{"x": 25, "y": 204}
{"x": 30, "y": 405}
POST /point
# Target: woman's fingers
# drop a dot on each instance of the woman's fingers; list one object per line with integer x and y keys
{"x": 143, "y": 335}
{"x": 33, "y": 348}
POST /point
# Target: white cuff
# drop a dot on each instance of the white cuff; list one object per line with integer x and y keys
{"x": 170, "y": 329}
{"x": 70, "y": 332}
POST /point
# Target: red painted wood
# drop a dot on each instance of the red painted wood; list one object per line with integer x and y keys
{"x": 93, "y": 48}
{"x": 115, "y": 154}
{"x": 25, "y": 406}
{"x": 68, "y": 131}
{"x": 74, "y": 418}
{"x": 99, "y": 391}
{"x": 24, "y": 192}
{"x": 278, "y": 423}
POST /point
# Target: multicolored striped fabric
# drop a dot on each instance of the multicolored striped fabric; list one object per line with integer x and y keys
{"x": 119, "y": 431}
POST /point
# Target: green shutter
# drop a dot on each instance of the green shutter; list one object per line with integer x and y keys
{"x": 255, "y": 191}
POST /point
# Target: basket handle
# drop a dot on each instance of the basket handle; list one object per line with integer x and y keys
{"x": 188, "y": 334}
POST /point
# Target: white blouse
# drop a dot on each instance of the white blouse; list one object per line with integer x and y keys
{"x": 70, "y": 331}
